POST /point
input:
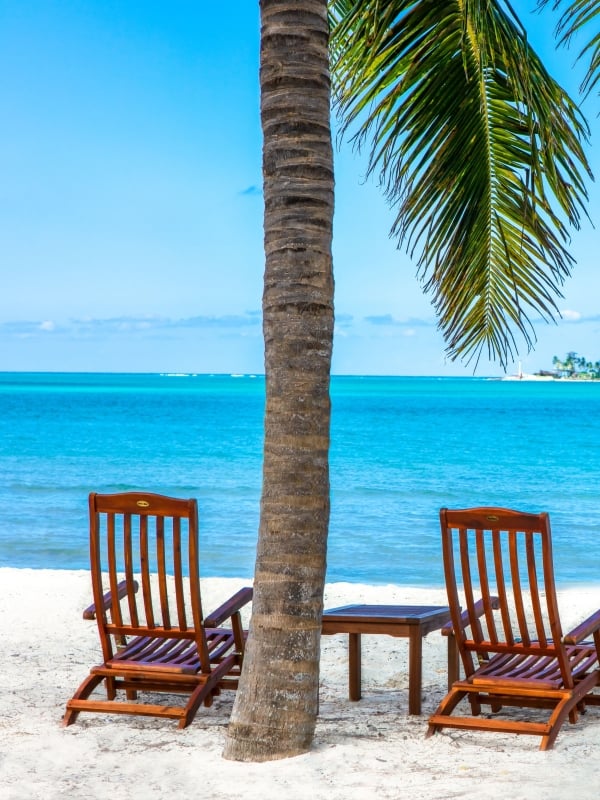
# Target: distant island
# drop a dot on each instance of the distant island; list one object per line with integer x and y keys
{"x": 571, "y": 368}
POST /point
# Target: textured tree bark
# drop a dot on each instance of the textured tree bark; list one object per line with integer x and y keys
{"x": 276, "y": 705}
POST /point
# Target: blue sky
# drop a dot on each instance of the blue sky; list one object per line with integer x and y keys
{"x": 131, "y": 207}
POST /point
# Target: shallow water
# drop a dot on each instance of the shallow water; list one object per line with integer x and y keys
{"x": 401, "y": 448}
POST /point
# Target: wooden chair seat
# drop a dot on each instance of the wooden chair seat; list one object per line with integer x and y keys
{"x": 155, "y": 639}
{"x": 171, "y": 655}
{"x": 534, "y": 671}
{"x": 504, "y": 611}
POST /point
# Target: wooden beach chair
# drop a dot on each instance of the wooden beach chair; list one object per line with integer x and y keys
{"x": 495, "y": 558}
{"x": 155, "y": 639}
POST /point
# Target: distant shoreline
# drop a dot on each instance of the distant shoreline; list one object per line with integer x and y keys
{"x": 548, "y": 378}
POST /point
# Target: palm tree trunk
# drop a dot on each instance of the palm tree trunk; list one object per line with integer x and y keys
{"x": 276, "y": 706}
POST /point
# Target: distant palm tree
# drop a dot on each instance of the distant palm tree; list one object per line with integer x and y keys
{"x": 558, "y": 364}
{"x": 570, "y": 363}
{"x": 577, "y": 366}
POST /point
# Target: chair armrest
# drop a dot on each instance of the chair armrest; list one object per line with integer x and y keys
{"x": 229, "y": 608}
{"x": 464, "y": 617}
{"x": 584, "y": 629}
{"x": 90, "y": 611}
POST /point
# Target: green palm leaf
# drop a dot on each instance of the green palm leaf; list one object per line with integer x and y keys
{"x": 578, "y": 15}
{"x": 478, "y": 150}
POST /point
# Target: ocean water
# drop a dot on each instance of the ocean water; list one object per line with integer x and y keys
{"x": 401, "y": 449}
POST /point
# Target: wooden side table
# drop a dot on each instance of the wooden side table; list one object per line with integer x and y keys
{"x": 413, "y": 622}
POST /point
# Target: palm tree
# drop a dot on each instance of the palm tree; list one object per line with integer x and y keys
{"x": 480, "y": 151}
{"x": 570, "y": 363}
{"x": 558, "y": 364}
{"x": 275, "y": 710}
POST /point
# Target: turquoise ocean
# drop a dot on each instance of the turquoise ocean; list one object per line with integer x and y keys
{"x": 401, "y": 449}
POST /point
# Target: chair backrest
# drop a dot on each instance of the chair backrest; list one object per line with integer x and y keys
{"x": 498, "y": 553}
{"x": 148, "y": 541}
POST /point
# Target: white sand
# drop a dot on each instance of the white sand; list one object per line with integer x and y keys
{"x": 366, "y": 749}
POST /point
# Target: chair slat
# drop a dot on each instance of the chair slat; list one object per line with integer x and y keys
{"x": 517, "y": 590}
{"x": 486, "y": 595}
{"x": 145, "y": 570}
{"x": 178, "y": 570}
{"x": 128, "y": 561}
{"x": 501, "y": 587}
{"x": 536, "y": 605}
{"x": 465, "y": 563}
{"x": 550, "y": 586}
{"x": 162, "y": 571}
{"x": 113, "y": 577}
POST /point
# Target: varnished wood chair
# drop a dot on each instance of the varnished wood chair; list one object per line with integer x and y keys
{"x": 155, "y": 639}
{"x": 517, "y": 655}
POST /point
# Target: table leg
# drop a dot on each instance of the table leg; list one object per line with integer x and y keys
{"x": 414, "y": 670}
{"x": 354, "y": 666}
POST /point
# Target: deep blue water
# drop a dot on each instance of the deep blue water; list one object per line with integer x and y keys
{"x": 401, "y": 449}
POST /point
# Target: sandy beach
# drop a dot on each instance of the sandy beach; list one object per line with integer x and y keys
{"x": 367, "y": 749}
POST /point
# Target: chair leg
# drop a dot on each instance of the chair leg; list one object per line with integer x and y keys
{"x": 130, "y": 692}
{"x": 445, "y": 708}
{"x": 475, "y": 704}
{"x": 111, "y": 691}
{"x": 83, "y": 692}
{"x": 205, "y": 691}
{"x": 495, "y": 706}
{"x": 563, "y": 709}
{"x": 202, "y": 694}
{"x": 570, "y": 706}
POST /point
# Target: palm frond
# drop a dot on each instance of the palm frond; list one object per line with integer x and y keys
{"x": 478, "y": 150}
{"x": 577, "y": 17}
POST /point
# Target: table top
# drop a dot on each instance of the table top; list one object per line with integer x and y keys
{"x": 405, "y": 615}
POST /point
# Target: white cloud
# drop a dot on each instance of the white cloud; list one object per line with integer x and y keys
{"x": 410, "y": 323}
{"x": 570, "y": 316}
